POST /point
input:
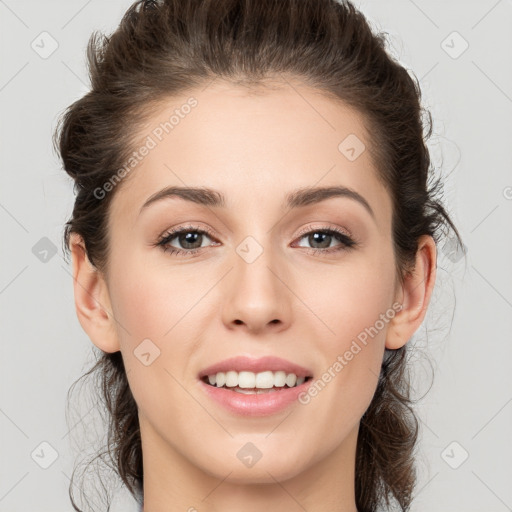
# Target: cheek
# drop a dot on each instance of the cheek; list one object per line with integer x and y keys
{"x": 357, "y": 309}
{"x": 351, "y": 298}
{"x": 156, "y": 337}
{"x": 154, "y": 330}
{"x": 151, "y": 301}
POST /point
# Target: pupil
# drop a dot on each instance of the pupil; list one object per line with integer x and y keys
{"x": 188, "y": 239}
{"x": 315, "y": 237}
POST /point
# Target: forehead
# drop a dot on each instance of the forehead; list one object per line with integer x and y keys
{"x": 252, "y": 143}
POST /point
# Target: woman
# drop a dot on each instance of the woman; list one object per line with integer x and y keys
{"x": 253, "y": 245}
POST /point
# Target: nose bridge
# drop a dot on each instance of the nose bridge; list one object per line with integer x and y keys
{"x": 256, "y": 295}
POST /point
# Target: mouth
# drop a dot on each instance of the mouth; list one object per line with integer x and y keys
{"x": 253, "y": 393}
{"x": 250, "y": 383}
{"x": 247, "y": 386}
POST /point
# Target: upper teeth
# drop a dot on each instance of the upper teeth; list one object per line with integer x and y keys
{"x": 251, "y": 380}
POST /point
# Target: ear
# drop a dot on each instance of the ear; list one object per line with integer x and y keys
{"x": 92, "y": 301}
{"x": 414, "y": 295}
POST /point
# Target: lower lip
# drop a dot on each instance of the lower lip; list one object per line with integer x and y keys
{"x": 263, "y": 404}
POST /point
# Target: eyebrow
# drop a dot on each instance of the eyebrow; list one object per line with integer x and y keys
{"x": 297, "y": 198}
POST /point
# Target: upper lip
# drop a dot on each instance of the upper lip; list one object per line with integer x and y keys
{"x": 255, "y": 365}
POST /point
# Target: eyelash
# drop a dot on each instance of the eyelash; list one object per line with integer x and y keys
{"x": 346, "y": 241}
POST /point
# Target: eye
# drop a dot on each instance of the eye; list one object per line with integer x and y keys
{"x": 323, "y": 237}
{"x": 190, "y": 238}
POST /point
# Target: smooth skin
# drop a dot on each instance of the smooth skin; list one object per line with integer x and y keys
{"x": 254, "y": 147}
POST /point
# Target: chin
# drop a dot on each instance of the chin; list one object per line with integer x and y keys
{"x": 268, "y": 464}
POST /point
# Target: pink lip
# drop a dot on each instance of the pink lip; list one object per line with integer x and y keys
{"x": 255, "y": 405}
{"x": 243, "y": 363}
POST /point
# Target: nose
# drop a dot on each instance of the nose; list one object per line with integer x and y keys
{"x": 256, "y": 297}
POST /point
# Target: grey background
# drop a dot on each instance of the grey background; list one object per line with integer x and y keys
{"x": 468, "y": 409}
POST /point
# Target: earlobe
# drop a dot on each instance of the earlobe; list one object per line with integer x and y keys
{"x": 92, "y": 301}
{"x": 415, "y": 295}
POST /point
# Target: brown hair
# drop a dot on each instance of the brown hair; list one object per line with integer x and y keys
{"x": 163, "y": 48}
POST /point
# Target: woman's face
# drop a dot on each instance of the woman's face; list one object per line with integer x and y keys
{"x": 267, "y": 281}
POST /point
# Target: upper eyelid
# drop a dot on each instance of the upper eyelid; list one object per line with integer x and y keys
{"x": 336, "y": 229}
{"x": 185, "y": 229}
